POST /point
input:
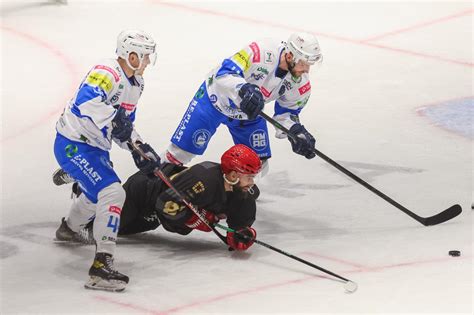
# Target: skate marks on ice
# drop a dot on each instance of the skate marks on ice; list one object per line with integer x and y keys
{"x": 369, "y": 172}
{"x": 280, "y": 183}
{"x": 40, "y": 233}
{"x": 7, "y": 250}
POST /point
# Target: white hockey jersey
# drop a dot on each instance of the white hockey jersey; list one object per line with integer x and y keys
{"x": 88, "y": 115}
{"x": 257, "y": 63}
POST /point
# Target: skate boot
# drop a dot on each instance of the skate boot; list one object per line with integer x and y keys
{"x": 103, "y": 276}
{"x": 65, "y": 234}
{"x": 60, "y": 177}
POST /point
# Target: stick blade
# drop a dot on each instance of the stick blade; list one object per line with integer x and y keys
{"x": 444, "y": 216}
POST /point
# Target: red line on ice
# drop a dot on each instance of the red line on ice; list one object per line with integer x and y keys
{"x": 59, "y": 55}
{"x": 420, "y": 25}
{"x": 218, "y": 298}
{"x": 181, "y": 6}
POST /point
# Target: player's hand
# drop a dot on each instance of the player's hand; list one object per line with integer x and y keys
{"x": 195, "y": 223}
{"x": 243, "y": 239}
{"x": 146, "y": 165}
{"x": 304, "y": 142}
{"x": 122, "y": 125}
{"x": 252, "y": 100}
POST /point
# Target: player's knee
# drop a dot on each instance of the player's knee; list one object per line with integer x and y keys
{"x": 114, "y": 195}
{"x": 176, "y": 155}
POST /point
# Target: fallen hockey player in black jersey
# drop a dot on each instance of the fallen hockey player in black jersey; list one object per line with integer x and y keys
{"x": 223, "y": 191}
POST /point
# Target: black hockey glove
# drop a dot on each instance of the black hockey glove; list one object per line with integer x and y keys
{"x": 122, "y": 125}
{"x": 252, "y": 100}
{"x": 303, "y": 142}
{"x": 147, "y": 166}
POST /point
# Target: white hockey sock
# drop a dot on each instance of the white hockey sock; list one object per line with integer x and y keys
{"x": 107, "y": 218}
{"x": 82, "y": 211}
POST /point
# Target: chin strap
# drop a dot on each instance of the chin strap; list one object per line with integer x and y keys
{"x": 229, "y": 182}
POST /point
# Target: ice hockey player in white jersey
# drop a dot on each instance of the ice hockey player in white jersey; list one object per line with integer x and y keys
{"x": 103, "y": 109}
{"x": 235, "y": 93}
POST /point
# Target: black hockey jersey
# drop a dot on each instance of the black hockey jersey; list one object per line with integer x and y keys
{"x": 150, "y": 202}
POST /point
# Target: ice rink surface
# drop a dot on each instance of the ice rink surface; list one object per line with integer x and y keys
{"x": 395, "y": 77}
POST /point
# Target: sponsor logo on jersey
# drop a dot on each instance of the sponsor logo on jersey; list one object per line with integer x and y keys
{"x": 128, "y": 106}
{"x": 258, "y": 140}
{"x": 243, "y": 59}
{"x": 282, "y": 90}
{"x": 305, "y": 88}
{"x": 265, "y": 92}
{"x": 171, "y": 208}
{"x": 200, "y": 93}
{"x": 100, "y": 80}
{"x": 152, "y": 218}
{"x": 302, "y": 103}
{"x": 87, "y": 169}
{"x": 116, "y": 76}
{"x": 115, "y": 209}
{"x": 114, "y": 98}
{"x": 263, "y": 70}
{"x": 268, "y": 57}
{"x": 198, "y": 187}
{"x": 213, "y": 98}
{"x": 184, "y": 122}
{"x": 256, "y": 52}
{"x": 71, "y": 150}
{"x": 201, "y": 137}
{"x": 287, "y": 84}
{"x": 257, "y": 76}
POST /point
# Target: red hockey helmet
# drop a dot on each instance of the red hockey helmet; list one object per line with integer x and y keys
{"x": 241, "y": 159}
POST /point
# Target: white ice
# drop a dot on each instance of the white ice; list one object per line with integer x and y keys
{"x": 362, "y": 111}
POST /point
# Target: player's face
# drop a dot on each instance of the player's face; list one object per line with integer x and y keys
{"x": 246, "y": 181}
{"x": 299, "y": 68}
{"x": 145, "y": 63}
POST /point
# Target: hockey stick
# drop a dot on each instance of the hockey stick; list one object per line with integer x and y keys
{"x": 349, "y": 285}
{"x": 181, "y": 197}
{"x": 441, "y": 217}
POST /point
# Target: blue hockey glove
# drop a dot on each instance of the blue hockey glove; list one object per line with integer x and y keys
{"x": 252, "y": 100}
{"x": 122, "y": 125}
{"x": 303, "y": 142}
{"x": 149, "y": 165}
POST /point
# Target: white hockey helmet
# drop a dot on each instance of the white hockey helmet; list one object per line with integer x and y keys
{"x": 136, "y": 41}
{"x": 305, "y": 47}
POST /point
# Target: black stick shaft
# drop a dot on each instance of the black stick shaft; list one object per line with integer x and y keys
{"x": 181, "y": 197}
{"x": 439, "y": 218}
{"x": 167, "y": 181}
{"x": 284, "y": 253}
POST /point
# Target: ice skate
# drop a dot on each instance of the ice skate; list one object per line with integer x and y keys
{"x": 66, "y": 235}
{"x": 60, "y": 177}
{"x": 103, "y": 276}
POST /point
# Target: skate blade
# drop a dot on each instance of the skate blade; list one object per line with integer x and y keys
{"x": 96, "y": 283}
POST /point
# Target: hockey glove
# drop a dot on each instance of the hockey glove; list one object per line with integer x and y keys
{"x": 243, "y": 239}
{"x": 122, "y": 125}
{"x": 147, "y": 166}
{"x": 195, "y": 223}
{"x": 303, "y": 142}
{"x": 252, "y": 100}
